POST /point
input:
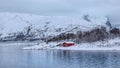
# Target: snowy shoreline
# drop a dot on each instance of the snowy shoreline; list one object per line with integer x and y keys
{"x": 80, "y": 49}
{"x": 113, "y": 44}
{"x": 90, "y": 49}
{"x": 17, "y": 43}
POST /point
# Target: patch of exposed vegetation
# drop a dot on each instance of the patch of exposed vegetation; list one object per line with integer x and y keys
{"x": 98, "y": 34}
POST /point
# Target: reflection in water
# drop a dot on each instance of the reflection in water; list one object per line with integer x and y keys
{"x": 82, "y": 59}
{"x": 14, "y": 57}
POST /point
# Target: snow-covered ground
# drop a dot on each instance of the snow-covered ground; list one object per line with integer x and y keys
{"x": 112, "y": 44}
{"x": 50, "y": 26}
{"x": 47, "y": 25}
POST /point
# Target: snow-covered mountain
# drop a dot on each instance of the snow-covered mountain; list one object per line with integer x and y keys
{"x": 44, "y": 26}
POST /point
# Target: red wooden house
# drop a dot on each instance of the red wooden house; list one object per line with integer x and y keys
{"x": 68, "y": 44}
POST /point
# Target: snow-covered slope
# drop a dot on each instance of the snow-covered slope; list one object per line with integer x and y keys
{"x": 48, "y": 25}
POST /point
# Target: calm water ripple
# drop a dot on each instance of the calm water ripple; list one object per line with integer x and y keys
{"x": 15, "y": 57}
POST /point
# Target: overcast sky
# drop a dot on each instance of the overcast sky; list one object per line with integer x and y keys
{"x": 109, "y": 8}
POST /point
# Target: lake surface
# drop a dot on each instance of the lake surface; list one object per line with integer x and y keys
{"x": 12, "y": 56}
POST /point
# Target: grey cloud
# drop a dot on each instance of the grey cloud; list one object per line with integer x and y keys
{"x": 63, "y": 7}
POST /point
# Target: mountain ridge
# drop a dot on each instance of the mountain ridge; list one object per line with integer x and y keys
{"x": 45, "y": 26}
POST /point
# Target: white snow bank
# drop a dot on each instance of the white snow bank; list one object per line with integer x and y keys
{"x": 112, "y": 44}
{"x": 42, "y": 46}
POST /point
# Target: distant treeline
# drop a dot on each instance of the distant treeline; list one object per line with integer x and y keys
{"x": 97, "y": 34}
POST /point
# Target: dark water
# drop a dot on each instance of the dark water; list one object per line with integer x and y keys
{"x": 15, "y": 57}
